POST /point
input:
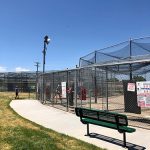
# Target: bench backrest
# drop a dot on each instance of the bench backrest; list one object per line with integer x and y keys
{"x": 105, "y": 116}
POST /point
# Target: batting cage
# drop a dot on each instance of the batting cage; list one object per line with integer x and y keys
{"x": 112, "y": 79}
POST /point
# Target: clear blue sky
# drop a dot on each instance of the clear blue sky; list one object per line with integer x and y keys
{"x": 76, "y": 28}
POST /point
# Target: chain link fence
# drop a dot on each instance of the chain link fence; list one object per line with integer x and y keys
{"x": 91, "y": 87}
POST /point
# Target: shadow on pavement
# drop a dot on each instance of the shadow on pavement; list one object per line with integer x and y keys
{"x": 130, "y": 146}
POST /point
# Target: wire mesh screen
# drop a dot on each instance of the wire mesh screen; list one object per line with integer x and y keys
{"x": 92, "y": 87}
{"x": 127, "y": 51}
{"x": 79, "y": 87}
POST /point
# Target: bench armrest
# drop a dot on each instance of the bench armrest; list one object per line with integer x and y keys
{"x": 77, "y": 111}
{"x": 121, "y": 120}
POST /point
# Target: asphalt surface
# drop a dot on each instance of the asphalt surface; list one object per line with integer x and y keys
{"x": 69, "y": 124}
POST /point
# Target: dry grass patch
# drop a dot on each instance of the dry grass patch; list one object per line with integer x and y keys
{"x": 18, "y": 133}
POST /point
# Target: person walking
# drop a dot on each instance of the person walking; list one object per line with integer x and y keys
{"x": 17, "y": 92}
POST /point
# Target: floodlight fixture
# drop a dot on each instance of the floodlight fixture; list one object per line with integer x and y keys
{"x": 46, "y": 39}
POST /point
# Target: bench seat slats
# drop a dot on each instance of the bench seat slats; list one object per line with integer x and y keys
{"x": 100, "y": 123}
{"x": 108, "y": 125}
{"x": 103, "y": 116}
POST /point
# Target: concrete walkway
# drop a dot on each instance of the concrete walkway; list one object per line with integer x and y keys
{"x": 69, "y": 124}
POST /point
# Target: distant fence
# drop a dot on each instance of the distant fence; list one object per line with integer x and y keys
{"x": 25, "y": 81}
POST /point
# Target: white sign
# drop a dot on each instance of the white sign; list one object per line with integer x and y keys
{"x": 131, "y": 87}
{"x": 143, "y": 93}
{"x": 63, "y": 86}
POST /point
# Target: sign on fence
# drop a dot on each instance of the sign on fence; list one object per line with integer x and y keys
{"x": 63, "y": 86}
{"x": 131, "y": 87}
{"x": 143, "y": 93}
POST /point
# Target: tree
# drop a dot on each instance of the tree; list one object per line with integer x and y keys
{"x": 113, "y": 80}
{"x": 139, "y": 78}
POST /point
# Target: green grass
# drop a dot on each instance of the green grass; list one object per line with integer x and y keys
{"x": 17, "y": 133}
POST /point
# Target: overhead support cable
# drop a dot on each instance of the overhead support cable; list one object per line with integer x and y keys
{"x": 141, "y": 47}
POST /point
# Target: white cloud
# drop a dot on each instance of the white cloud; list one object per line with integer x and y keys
{"x": 20, "y": 69}
{"x": 3, "y": 69}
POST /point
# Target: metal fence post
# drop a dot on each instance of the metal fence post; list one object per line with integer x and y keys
{"x": 52, "y": 100}
{"x": 107, "y": 88}
{"x": 90, "y": 97}
{"x": 67, "y": 104}
{"x": 95, "y": 85}
{"x": 75, "y": 88}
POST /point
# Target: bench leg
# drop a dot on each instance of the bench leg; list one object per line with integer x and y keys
{"x": 88, "y": 130}
{"x": 124, "y": 139}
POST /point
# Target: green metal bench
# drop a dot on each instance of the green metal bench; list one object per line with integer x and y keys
{"x": 106, "y": 119}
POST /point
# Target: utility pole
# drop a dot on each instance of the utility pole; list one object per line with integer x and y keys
{"x": 37, "y": 76}
{"x": 130, "y": 65}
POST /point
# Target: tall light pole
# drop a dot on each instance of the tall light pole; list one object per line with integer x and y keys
{"x": 46, "y": 42}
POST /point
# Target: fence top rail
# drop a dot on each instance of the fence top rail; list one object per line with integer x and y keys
{"x": 120, "y": 62}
